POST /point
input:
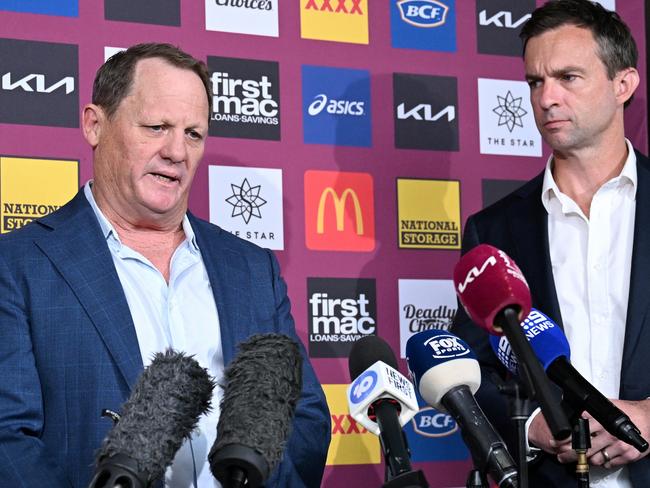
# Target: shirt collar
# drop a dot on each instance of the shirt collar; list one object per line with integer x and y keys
{"x": 109, "y": 233}
{"x": 550, "y": 190}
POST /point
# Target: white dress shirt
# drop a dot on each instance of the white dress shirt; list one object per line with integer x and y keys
{"x": 591, "y": 260}
{"x": 181, "y": 315}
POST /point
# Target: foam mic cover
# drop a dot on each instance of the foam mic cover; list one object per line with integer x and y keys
{"x": 262, "y": 386}
{"x": 487, "y": 281}
{"x": 545, "y": 336}
{"x": 438, "y": 362}
{"x": 163, "y": 409}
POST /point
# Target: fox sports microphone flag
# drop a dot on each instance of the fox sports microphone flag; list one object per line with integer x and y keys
{"x": 487, "y": 282}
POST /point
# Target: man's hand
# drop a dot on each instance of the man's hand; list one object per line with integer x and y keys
{"x": 606, "y": 450}
{"x": 539, "y": 435}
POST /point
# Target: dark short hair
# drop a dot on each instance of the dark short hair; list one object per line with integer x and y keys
{"x": 114, "y": 78}
{"x": 616, "y": 47}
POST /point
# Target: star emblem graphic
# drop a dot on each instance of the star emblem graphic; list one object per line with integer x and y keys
{"x": 246, "y": 201}
{"x": 509, "y": 111}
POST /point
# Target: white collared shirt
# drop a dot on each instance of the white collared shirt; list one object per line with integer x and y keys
{"x": 591, "y": 260}
{"x": 181, "y": 315}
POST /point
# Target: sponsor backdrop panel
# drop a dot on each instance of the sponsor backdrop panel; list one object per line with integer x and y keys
{"x": 351, "y": 137}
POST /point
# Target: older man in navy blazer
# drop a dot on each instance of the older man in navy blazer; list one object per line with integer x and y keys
{"x": 90, "y": 292}
{"x": 580, "y": 233}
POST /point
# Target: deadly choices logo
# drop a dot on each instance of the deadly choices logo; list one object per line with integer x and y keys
{"x": 336, "y": 106}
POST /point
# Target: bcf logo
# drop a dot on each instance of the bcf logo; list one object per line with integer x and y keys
{"x": 423, "y": 13}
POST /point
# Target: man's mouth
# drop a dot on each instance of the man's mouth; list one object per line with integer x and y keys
{"x": 164, "y": 177}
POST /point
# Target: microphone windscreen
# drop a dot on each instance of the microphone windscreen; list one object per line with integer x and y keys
{"x": 545, "y": 337}
{"x": 262, "y": 386}
{"x": 439, "y": 361}
{"x": 163, "y": 409}
{"x": 367, "y": 351}
{"x": 487, "y": 280}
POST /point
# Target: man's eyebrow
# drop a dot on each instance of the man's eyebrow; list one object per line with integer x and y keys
{"x": 556, "y": 73}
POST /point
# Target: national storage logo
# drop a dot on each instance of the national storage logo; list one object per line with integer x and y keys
{"x": 340, "y": 311}
{"x": 38, "y": 83}
{"x": 498, "y": 23}
{"x": 424, "y": 24}
{"x": 339, "y": 211}
{"x": 426, "y": 114}
{"x": 246, "y": 98}
{"x": 65, "y": 8}
{"x": 424, "y": 305}
{"x": 248, "y": 203}
{"x": 334, "y": 20}
{"x": 351, "y": 442}
{"x": 32, "y": 188}
{"x": 259, "y": 17}
{"x": 160, "y": 12}
{"x": 506, "y": 122}
{"x": 428, "y": 214}
{"x": 336, "y": 106}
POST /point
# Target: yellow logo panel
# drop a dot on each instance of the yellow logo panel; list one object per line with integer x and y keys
{"x": 334, "y": 20}
{"x": 32, "y": 188}
{"x": 428, "y": 214}
{"x": 351, "y": 443}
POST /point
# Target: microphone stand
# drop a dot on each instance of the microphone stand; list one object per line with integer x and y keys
{"x": 580, "y": 441}
{"x": 519, "y": 408}
{"x": 398, "y": 465}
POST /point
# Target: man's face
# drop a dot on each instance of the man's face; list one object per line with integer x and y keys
{"x": 147, "y": 153}
{"x": 573, "y": 100}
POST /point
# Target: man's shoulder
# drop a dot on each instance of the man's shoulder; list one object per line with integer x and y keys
{"x": 501, "y": 209}
{"x": 211, "y": 234}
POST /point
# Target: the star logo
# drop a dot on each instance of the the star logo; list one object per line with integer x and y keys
{"x": 246, "y": 201}
{"x": 509, "y": 111}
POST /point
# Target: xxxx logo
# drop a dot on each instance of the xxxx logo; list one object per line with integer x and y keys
{"x": 345, "y": 424}
{"x": 342, "y": 6}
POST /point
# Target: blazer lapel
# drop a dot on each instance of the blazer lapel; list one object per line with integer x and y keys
{"x": 640, "y": 270}
{"x": 228, "y": 273}
{"x": 78, "y": 250}
{"x": 529, "y": 229}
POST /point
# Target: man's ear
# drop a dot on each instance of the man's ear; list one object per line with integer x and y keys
{"x": 626, "y": 81}
{"x": 93, "y": 120}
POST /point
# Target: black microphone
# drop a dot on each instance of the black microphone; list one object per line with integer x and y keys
{"x": 163, "y": 409}
{"x": 383, "y": 400}
{"x": 552, "y": 348}
{"x": 261, "y": 387}
{"x": 447, "y": 375}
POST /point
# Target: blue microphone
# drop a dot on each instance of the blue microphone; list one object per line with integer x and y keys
{"x": 552, "y": 349}
{"x": 446, "y": 373}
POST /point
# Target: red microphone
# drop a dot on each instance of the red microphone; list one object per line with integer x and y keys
{"x": 495, "y": 294}
{"x": 488, "y": 281}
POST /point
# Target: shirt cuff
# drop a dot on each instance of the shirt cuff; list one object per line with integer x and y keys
{"x": 531, "y": 451}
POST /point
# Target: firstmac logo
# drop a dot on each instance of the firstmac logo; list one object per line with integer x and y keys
{"x": 339, "y": 211}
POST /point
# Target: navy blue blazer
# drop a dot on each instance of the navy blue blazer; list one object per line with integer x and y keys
{"x": 68, "y": 346}
{"x": 517, "y": 224}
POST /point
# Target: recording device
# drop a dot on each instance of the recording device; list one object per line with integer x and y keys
{"x": 163, "y": 409}
{"x": 552, "y": 348}
{"x": 447, "y": 374}
{"x": 262, "y": 386}
{"x": 383, "y": 400}
{"x": 495, "y": 294}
